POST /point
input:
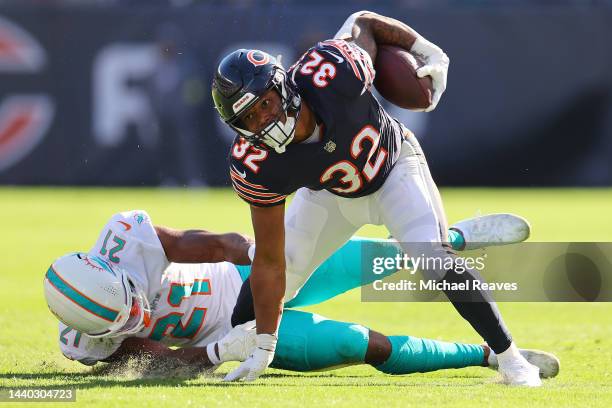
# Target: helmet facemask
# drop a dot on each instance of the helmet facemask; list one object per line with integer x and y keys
{"x": 276, "y": 135}
{"x": 134, "y": 316}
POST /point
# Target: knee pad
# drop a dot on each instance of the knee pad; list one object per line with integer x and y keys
{"x": 298, "y": 254}
{"x": 299, "y": 247}
{"x": 351, "y": 340}
{"x": 303, "y": 224}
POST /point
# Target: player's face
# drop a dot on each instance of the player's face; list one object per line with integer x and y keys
{"x": 264, "y": 112}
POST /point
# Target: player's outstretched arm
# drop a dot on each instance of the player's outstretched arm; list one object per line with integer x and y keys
{"x": 268, "y": 270}
{"x": 268, "y": 287}
{"x": 195, "y": 246}
{"x": 236, "y": 345}
{"x": 138, "y": 347}
{"x": 368, "y": 30}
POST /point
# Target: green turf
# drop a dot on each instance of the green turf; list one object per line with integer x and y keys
{"x": 40, "y": 224}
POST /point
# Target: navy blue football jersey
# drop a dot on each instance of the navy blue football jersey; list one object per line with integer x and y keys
{"x": 359, "y": 141}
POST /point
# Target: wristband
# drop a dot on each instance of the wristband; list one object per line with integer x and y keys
{"x": 266, "y": 341}
{"x": 425, "y": 48}
{"x": 212, "y": 356}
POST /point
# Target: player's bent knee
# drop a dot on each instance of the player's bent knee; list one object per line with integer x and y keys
{"x": 435, "y": 258}
{"x": 349, "y": 341}
{"x": 311, "y": 342}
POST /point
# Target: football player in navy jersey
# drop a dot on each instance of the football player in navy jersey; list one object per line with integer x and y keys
{"x": 317, "y": 129}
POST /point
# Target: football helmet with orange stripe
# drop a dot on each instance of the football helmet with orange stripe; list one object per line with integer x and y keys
{"x": 241, "y": 80}
{"x": 94, "y": 297}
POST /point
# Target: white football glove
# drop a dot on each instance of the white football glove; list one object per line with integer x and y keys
{"x": 436, "y": 66}
{"x": 236, "y": 345}
{"x": 258, "y": 361}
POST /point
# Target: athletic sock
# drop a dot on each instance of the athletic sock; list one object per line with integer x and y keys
{"x": 512, "y": 353}
{"x": 412, "y": 354}
{"x": 479, "y": 309}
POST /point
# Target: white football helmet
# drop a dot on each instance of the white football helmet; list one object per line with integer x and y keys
{"x": 94, "y": 297}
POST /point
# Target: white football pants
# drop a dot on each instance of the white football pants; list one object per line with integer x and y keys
{"x": 317, "y": 223}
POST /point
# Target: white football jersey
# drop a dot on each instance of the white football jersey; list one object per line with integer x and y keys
{"x": 191, "y": 304}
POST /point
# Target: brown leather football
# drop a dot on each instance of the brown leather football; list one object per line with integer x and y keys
{"x": 396, "y": 78}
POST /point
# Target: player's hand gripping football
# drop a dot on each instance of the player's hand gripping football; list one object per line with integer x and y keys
{"x": 258, "y": 361}
{"x": 436, "y": 66}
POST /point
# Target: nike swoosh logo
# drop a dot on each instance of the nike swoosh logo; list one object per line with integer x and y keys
{"x": 339, "y": 59}
{"x": 240, "y": 173}
{"x": 126, "y": 225}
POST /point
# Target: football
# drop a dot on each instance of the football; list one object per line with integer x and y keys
{"x": 396, "y": 78}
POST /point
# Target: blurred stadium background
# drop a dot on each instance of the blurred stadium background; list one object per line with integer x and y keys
{"x": 106, "y": 93}
{"x": 116, "y": 93}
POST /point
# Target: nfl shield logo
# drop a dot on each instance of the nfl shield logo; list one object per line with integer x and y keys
{"x": 329, "y": 146}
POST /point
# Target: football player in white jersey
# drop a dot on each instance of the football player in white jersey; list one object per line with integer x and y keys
{"x": 143, "y": 288}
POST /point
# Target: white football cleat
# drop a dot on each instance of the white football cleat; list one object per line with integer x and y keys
{"x": 527, "y": 368}
{"x": 547, "y": 363}
{"x": 519, "y": 371}
{"x": 492, "y": 229}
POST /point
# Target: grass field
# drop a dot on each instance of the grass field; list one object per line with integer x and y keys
{"x": 40, "y": 224}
